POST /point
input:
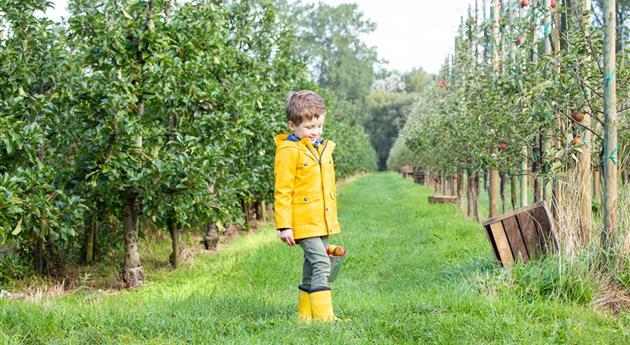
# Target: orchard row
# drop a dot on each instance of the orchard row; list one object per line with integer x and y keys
{"x": 138, "y": 115}
{"x": 528, "y": 99}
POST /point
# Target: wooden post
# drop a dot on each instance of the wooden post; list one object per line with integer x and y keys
{"x": 597, "y": 185}
{"x": 547, "y": 143}
{"x": 494, "y": 173}
{"x": 584, "y": 160}
{"x": 537, "y": 147}
{"x": 513, "y": 189}
{"x": 464, "y": 190}
{"x": 502, "y": 183}
{"x": 523, "y": 176}
{"x": 556, "y": 142}
{"x": 609, "y": 234}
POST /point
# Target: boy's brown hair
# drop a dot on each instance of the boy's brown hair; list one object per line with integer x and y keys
{"x": 304, "y": 105}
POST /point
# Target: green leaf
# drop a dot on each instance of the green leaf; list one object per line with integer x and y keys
{"x": 18, "y": 228}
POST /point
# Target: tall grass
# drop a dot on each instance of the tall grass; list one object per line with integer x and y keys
{"x": 579, "y": 272}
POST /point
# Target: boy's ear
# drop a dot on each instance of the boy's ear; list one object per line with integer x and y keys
{"x": 292, "y": 126}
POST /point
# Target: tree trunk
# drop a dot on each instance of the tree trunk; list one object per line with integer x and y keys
{"x": 470, "y": 194}
{"x": 175, "y": 250}
{"x": 463, "y": 188}
{"x": 513, "y": 189}
{"x": 133, "y": 273}
{"x": 90, "y": 239}
{"x": 485, "y": 181}
{"x": 39, "y": 256}
{"x": 212, "y": 237}
{"x": 538, "y": 181}
{"x": 502, "y": 183}
{"x": 476, "y": 197}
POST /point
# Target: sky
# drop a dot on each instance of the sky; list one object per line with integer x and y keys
{"x": 409, "y": 33}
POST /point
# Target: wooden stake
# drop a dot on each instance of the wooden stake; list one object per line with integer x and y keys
{"x": 609, "y": 234}
{"x": 494, "y": 173}
{"x": 584, "y": 160}
{"x": 523, "y": 177}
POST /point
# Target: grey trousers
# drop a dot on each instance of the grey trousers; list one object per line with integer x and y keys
{"x": 316, "y": 268}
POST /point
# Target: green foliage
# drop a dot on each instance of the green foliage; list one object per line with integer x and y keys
{"x": 387, "y": 114}
{"x": 353, "y": 151}
{"x": 470, "y": 109}
{"x": 339, "y": 59}
{"x": 173, "y": 106}
{"x": 416, "y": 80}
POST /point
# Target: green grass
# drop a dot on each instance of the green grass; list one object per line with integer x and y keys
{"x": 416, "y": 273}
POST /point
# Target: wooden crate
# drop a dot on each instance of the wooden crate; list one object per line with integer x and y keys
{"x": 436, "y": 199}
{"x": 524, "y": 234}
{"x": 418, "y": 177}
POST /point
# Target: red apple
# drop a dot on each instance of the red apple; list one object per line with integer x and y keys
{"x": 579, "y": 117}
{"x": 553, "y": 3}
{"x": 517, "y": 41}
{"x": 339, "y": 251}
{"x": 442, "y": 84}
{"x": 524, "y": 3}
{"x": 503, "y": 145}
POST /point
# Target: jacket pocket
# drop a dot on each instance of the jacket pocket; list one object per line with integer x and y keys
{"x": 305, "y": 198}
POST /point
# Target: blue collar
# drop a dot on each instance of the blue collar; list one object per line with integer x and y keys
{"x": 293, "y": 137}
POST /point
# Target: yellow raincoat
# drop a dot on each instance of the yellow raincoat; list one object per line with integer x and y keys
{"x": 305, "y": 193}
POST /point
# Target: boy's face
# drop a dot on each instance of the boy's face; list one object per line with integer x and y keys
{"x": 310, "y": 129}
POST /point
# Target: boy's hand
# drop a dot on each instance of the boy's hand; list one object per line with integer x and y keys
{"x": 287, "y": 236}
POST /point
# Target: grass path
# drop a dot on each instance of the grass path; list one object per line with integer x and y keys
{"x": 412, "y": 277}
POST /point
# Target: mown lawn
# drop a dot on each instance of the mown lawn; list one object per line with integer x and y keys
{"x": 415, "y": 274}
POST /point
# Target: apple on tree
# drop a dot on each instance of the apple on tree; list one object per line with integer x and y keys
{"x": 579, "y": 117}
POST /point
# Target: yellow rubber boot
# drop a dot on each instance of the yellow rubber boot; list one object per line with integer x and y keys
{"x": 304, "y": 306}
{"x": 321, "y": 306}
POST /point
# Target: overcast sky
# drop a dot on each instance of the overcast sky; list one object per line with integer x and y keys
{"x": 409, "y": 33}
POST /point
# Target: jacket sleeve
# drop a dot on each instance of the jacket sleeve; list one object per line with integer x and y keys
{"x": 284, "y": 172}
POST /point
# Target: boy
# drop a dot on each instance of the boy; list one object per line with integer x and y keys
{"x": 305, "y": 200}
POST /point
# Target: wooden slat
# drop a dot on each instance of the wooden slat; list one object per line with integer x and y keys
{"x": 515, "y": 238}
{"x": 493, "y": 245}
{"x": 503, "y": 246}
{"x": 513, "y": 213}
{"x": 530, "y": 235}
{"x": 543, "y": 222}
